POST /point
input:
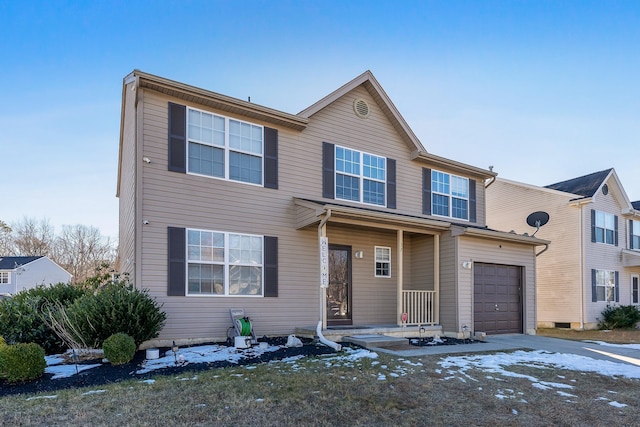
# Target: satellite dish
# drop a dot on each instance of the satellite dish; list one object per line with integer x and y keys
{"x": 537, "y": 220}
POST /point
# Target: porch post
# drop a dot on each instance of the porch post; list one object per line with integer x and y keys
{"x": 436, "y": 278}
{"x": 400, "y": 275}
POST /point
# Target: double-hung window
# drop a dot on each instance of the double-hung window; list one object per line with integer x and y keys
{"x": 4, "y": 277}
{"x": 605, "y": 228}
{"x": 225, "y": 148}
{"x": 224, "y": 263}
{"x": 449, "y": 195}
{"x": 383, "y": 261}
{"x": 360, "y": 176}
{"x": 605, "y": 285}
{"x": 634, "y": 233}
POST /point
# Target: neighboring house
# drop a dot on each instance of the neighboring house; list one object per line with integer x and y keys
{"x": 25, "y": 272}
{"x": 226, "y": 204}
{"x": 594, "y": 257}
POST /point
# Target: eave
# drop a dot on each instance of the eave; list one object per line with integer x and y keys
{"x": 499, "y": 235}
{"x": 459, "y": 167}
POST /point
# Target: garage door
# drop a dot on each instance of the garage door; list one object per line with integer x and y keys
{"x": 497, "y": 298}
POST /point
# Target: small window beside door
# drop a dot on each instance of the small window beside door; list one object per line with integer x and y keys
{"x": 383, "y": 261}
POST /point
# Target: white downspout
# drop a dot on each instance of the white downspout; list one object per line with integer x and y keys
{"x": 581, "y": 269}
{"x": 323, "y": 291}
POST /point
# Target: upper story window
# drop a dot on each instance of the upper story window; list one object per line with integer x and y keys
{"x": 224, "y": 263}
{"x": 449, "y": 195}
{"x": 360, "y": 176}
{"x": 4, "y": 277}
{"x": 225, "y": 148}
{"x": 634, "y": 234}
{"x": 604, "y": 228}
{"x": 383, "y": 261}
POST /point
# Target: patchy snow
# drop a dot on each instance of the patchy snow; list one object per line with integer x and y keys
{"x": 606, "y": 344}
{"x": 617, "y": 405}
{"x": 65, "y": 371}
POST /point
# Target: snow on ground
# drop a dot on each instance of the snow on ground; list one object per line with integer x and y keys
{"x": 630, "y": 346}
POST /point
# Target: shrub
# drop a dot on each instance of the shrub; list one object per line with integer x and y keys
{"x": 119, "y": 348}
{"x": 625, "y": 316}
{"x": 21, "y": 316}
{"x": 116, "y": 308}
{"x": 22, "y": 362}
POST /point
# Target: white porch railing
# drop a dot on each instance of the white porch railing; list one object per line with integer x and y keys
{"x": 420, "y": 307}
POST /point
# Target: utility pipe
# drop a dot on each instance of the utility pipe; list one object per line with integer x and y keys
{"x": 323, "y": 291}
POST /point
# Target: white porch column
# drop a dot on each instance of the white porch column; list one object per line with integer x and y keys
{"x": 436, "y": 277}
{"x": 400, "y": 275}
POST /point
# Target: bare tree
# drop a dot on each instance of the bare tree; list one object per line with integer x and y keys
{"x": 33, "y": 238}
{"x": 6, "y": 240}
{"x": 81, "y": 249}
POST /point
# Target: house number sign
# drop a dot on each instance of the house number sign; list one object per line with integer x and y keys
{"x": 324, "y": 262}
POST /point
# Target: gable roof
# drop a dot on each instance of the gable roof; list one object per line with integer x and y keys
{"x": 11, "y": 262}
{"x": 585, "y": 186}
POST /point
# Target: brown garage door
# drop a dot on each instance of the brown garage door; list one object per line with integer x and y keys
{"x": 497, "y": 298}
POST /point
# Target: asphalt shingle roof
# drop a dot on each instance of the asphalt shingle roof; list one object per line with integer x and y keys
{"x": 9, "y": 262}
{"x": 636, "y": 205}
{"x": 585, "y": 186}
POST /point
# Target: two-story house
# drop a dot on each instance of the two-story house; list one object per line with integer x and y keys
{"x": 335, "y": 216}
{"x": 594, "y": 258}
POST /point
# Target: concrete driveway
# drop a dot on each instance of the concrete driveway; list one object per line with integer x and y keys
{"x": 532, "y": 342}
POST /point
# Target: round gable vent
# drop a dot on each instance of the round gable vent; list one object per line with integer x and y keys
{"x": 361, "y": 108}
{"x": 605, "y": 189}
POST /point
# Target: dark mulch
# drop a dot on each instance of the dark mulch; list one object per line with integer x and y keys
{"x": 108, "y": 373}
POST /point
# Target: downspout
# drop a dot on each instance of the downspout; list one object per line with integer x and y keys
{"x": 581, "y": 270}
{"x": 546, "y": 247}
{"x": 323, "y": 291}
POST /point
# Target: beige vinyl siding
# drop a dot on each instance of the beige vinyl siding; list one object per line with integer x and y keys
{"x": 127, "y": 194}
{"x": 559, "y": 277}
{"x": 419, "y": 249}
{"x": 602, "y": 256}
{"x": 448, "y": 282}
{"x": 496, "y": 252}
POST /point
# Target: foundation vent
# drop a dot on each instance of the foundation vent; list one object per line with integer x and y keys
{"x": 361, "y": 108}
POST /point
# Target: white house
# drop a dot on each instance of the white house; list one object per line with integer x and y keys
{"x": 25, "y": 272}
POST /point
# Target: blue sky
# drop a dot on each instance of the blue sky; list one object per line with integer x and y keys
{"x": 542, "y": 90}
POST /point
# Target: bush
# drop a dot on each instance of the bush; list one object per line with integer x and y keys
{"x": 21, "y": 319}
{"x": 625, "y": 316}
{"x": 22, "y": 362}
{"x": 116, "y": 308}
{"x": 119, "y": 348}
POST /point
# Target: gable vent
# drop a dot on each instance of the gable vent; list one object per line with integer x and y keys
{"x": 361, "y": 108}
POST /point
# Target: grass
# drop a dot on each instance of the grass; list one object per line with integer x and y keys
{"x": 327, "y": 391}
{"x": 617, "y": 336}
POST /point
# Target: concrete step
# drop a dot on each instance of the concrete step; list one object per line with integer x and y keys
{"x": 374, "y": 340}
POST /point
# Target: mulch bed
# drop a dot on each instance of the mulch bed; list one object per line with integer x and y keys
{"x": 108, "y": 373}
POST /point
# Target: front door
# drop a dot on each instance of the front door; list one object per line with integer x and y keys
{"x": 339, "y": 290}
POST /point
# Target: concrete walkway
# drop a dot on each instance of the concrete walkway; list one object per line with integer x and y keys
{"x": 532, "y": 342}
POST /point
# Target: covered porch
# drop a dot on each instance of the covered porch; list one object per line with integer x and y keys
{"x": 412, "y": 307}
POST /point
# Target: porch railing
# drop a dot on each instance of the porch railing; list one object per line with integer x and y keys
{"x": 420, "y": 307}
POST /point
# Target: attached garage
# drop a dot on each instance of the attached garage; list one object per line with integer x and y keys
{"x": 498, "y": 299}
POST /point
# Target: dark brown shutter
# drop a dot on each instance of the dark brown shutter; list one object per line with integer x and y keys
{"x": 270, "y": 157}
{"x": 177, "y": 138}
{"x": 177, "y": 261}
{"x": 617, "y": 284}
{"x": 328, "y": 170}
{"x": 593, "y": 225}
{"x": 391, "y": 183}
{"x": 594, "y": 290}
{"x": 615, "y": 228}
{"x": 270, "y": 266}
{"x": 426, "y": 191}
{"x": 472, "y": 200}
{"x": 631, "y": 235}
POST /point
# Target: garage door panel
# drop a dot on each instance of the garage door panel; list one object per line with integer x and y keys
{"x": 497, "y": 298}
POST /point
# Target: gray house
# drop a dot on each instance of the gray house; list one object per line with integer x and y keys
{"x": 18, "y": 273}
{"x": 336, "y": 215}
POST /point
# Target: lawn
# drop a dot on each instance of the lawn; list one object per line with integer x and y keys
{"x": 359, "y": 387}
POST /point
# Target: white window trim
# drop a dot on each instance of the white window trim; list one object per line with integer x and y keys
{"x": 360, "y": 177}
{"x": 5, "y": 278}
{"x": 450, "y": 196}
{"x": 606, "y": 286}
{"x": 226, "y": 264}
{"x": 227, "y": 149}
{"x": 604, "y": 228}
{"x": 633, "y": 223}
{"x": 375, "y": 256}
